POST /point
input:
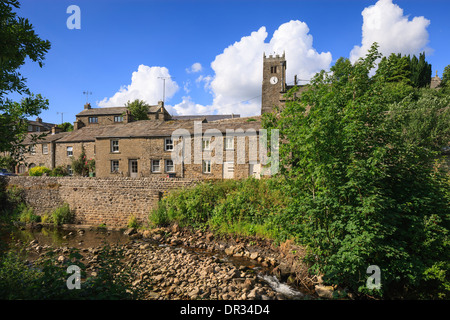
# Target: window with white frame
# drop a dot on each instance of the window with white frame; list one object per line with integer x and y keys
{"x": 114, "y": 145}
{"x": 156, "y": 165}
{"x": 229, "y": 143}
{"x": 45, "y": 148}
{"x": 33, "y": 149}
{"x": 114, "y": 165}
{"x": 69, "y": 151}
{"x": 118, "y": 118}
{"x": 168, "y": 144}
{"x": 206, "y": 166}
{"x": 169, "y": 166}
{"x": 93, "y": 119}
{"x": 206, "y": 143}
{"x": 69, "y": 170}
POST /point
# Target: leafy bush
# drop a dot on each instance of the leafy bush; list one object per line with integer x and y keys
{"x": 38, "y": 171}
{"x": 80, "y": 164}
{"x": 59, "y": 171}
{"x": 62, "y": 215}
{"x": 26, "y": 214}
{"x": 133, "y": 222}
{"x": 363, "y": 188}
{"x": 47, "y": 279}
{"x": 241, "y": 207}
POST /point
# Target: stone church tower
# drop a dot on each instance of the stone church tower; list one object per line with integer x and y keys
{"x": 274, "y": 82}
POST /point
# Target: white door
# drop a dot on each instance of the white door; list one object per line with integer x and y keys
{"x": 228, "y": 170}
{"x": 255, "y": 170}
{"x": 133, "y": 167}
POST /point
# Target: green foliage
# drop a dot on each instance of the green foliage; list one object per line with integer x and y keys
{"x": 19, "y": 43}
{"x": 245, "y": 207}
{"x": 413, "y": 71}
{"x": 62, "y": 215}
{"x": 420, "y": 71}
{"x": 26, "y": 214}
{"x": 424, "y": 117}
{"x": 360, "y": 177}
{"x": 445, "y": 83}
{"x": 38, "y": 171}
{"x": 8, "y": 163}
{"x": 47, "y": 278}
{"x": 133, "y": 222}
{"x": 65, "y": 127}
{"x": 138, "y": 109}
{"x": 10, "y": 199}
{"x": 91, "y": 165}
{"x": 80, "y": 165}
{"x": 58, "y": 171}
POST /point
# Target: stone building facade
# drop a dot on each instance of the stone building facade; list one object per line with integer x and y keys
{"x": 126, "y": 148}
{"x": 115, "y": 115}
{"x": 145, "y": 148}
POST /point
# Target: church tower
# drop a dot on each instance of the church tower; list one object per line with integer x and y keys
{"x": 274, "y": 82}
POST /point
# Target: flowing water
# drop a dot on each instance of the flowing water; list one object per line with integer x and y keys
{"x": 69, "y": 238}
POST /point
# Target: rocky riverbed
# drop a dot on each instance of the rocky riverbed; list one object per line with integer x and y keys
{"x": 186, "y": 264}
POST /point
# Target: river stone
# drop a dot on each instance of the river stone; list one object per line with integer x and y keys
{"x": 229, "y": 251}
{"x": 130, "y": 231}
{"x": 324, "y": 291}
{"x": 254, "y": 255}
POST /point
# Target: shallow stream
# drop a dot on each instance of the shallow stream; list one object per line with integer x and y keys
{"x": 91, "y": 238}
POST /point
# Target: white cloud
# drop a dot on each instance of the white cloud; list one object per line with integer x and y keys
{"x": 385, "y": 24}
{"x": 237, "y": 83}
{"x": 146, "y": 84}
{"x": 206, "y": 80}
{"x": 196, "y": 67}
{"x": 186, "y": 86}
{"x": 188, "y": 107}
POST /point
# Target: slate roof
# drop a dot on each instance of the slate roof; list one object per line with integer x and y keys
{"x": 46, "y": 139}
{"x": 45, "y": 125}
{"x": 209, "y": 118}
{"x": 111, "y": 111}
{"x": 148, "y": 128}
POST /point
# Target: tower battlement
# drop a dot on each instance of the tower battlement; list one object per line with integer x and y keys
{"x": 274, "y": 81}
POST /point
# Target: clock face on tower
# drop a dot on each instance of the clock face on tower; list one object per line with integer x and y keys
{"x": 273, "y": 80}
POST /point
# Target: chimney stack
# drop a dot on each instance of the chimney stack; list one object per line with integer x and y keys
{"x": 127, "y": 117}
{"x": 87, "y": 106}
{"x": 38, "y": 119}
{"x": 55, "y": 129}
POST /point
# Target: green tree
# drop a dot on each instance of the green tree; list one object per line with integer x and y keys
{"x": 445, "y": 84}
{"x": 19, "y": 42}
{"x": 80, "y": 165}
{"x": 361, "y": 193}
{"x": 138, "y": 109}
{"x": 420, "y": 71}
{"x": 65, "y": 127}
{"x": 395, "y": 68}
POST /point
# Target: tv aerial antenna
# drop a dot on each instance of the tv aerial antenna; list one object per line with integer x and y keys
{"x": 87, "y": 93}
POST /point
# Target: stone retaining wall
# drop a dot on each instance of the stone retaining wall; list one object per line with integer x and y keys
{"x": 109, "y": 201}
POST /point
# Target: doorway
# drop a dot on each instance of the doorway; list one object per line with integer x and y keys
{"x": 133, "y": 168}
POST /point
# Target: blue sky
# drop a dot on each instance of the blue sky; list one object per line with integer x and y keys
{"x": 212, "y": 50}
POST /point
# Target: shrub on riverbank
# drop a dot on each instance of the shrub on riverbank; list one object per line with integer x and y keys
{"x": 245, "y": 207}
{"x": 62, "y": 215}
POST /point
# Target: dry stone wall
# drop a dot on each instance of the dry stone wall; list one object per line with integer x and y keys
{"x": 95, "y": 201}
